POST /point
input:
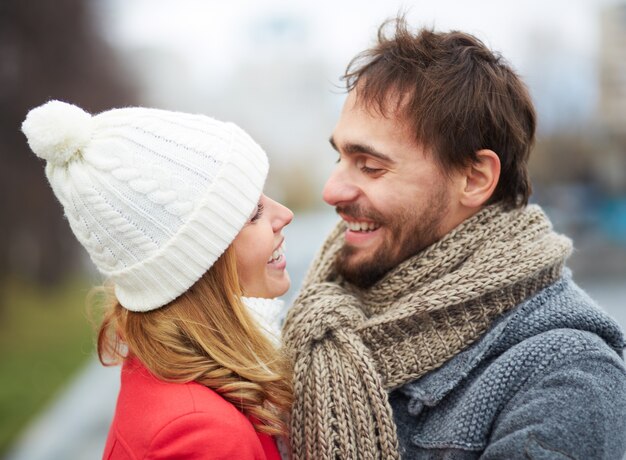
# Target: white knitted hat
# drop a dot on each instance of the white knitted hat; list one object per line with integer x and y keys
{"x": 154, "y": 196}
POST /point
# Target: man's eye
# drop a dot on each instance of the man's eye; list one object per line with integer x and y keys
{"x": 362, "y": 164}
{"x": 367, "y": 170}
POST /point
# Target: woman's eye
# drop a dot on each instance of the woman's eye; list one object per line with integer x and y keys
{"x": 257, "y": 214}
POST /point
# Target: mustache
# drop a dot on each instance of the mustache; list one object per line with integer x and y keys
{"x": 357, "y": 211}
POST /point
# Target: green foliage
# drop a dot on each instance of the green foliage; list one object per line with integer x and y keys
{"x": 45, "y": 337}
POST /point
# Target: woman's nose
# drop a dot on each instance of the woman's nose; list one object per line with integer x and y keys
{"x": 281, "y": 216}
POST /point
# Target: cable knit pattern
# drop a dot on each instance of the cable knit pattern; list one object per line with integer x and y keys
{"x": 352, "y": 346}
{"x": 154, "y": 196}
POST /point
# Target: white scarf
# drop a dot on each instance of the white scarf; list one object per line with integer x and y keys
{"x": 268, "y": 313}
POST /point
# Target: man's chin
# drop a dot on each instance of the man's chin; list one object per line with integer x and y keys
{"x": 352, "y": 257}
{"x": 361, "y": 270}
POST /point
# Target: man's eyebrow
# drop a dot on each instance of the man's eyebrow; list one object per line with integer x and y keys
{"x": 351, "y": 148}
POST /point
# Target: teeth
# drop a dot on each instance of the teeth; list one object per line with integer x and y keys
{"x": 362, "y": 226}
{"x": 277, "y": 253}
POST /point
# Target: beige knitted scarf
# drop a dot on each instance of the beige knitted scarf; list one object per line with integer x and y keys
{"x": 351, "y": 347}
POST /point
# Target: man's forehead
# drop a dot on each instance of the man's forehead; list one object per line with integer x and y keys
{"x": 365, "y": 118}
{"x": 364, "y": 130}
{"x": 389, "y": 103}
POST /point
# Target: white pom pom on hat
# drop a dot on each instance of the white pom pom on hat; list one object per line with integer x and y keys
{"x": 57, "y": 131}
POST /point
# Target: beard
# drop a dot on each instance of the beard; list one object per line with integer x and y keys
{"x": 407, "y": 233}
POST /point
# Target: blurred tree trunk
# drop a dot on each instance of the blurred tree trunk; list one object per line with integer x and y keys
{"x": 49, "y": 49}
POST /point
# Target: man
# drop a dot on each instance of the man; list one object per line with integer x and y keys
{"x": 438, "y": 320}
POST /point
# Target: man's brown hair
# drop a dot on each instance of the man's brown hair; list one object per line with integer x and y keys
{"x": 456, "y": 95}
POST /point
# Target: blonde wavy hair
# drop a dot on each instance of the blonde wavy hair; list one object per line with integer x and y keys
{"x": 208, "y": 336}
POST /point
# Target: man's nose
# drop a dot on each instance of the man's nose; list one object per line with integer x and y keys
{"x": 339, "y": 187}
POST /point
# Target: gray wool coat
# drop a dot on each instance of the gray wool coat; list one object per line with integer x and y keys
{"x": 547, "y": 381}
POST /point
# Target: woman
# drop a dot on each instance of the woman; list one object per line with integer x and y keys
{"x": 170, "y": 208}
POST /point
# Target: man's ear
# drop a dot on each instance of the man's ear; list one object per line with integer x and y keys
{"x": 481, "y": 179}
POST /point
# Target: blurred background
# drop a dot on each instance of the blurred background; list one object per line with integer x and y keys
{"x": 273, "y": 67}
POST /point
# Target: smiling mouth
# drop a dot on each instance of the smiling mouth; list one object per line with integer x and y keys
{"x": 361, "y": 227}
{"x": 278, "y": 253}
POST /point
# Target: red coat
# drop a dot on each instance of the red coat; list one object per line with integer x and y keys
{"x": 160, "y": 420}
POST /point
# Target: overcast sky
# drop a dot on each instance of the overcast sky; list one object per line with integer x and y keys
{"x": 342, "y": 27}
{"x": 552, "y": 43}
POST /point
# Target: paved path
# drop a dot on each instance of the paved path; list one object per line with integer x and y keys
{"x": 76, "y": 424}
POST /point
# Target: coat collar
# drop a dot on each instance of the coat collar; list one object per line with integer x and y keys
{"x": 561, "y": 305}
